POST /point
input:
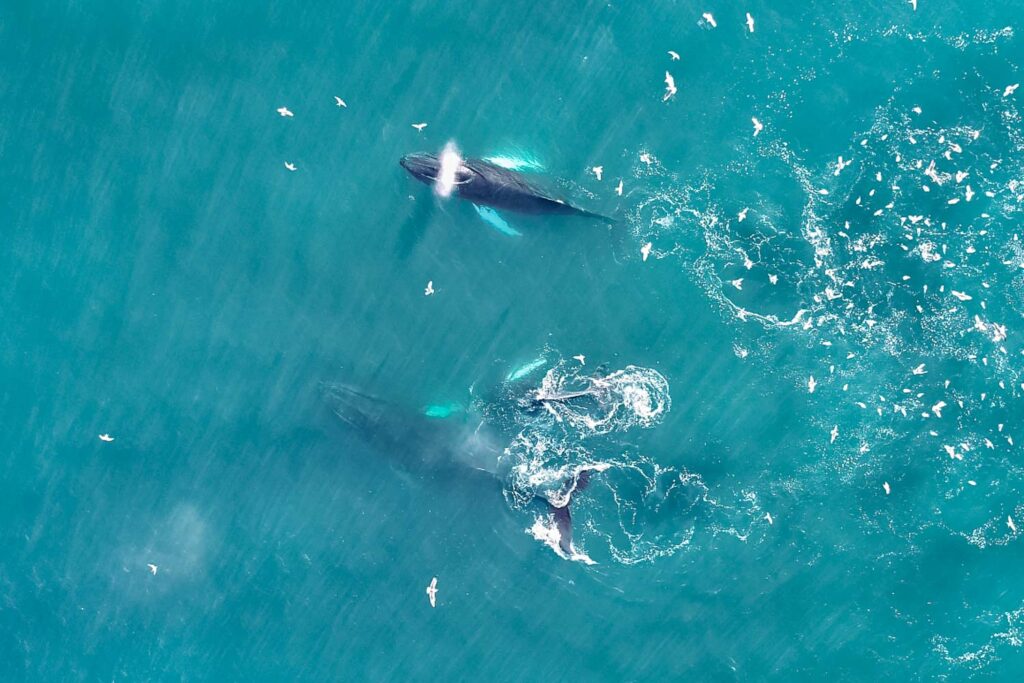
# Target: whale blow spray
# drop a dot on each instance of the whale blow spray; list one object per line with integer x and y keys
{"x": 450, "y": 163}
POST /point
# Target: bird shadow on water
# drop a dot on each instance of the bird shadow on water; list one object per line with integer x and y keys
{"x": 414, "y": 227}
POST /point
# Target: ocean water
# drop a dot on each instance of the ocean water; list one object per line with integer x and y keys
{"x": 805, "y": 452}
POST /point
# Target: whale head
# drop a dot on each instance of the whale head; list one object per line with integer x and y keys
{"x": 423, "y": 167}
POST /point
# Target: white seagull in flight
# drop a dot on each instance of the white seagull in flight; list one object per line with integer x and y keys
{"x": 670, "y": 87}
{"x": 290, "y": 166}
{"x": 106, "y": 437}
{"x": 339, "y": 101}
{"x": 285, "y": 111}
{"x": 758, "y": 126}
{"x": 674, "y": 55}
{"x": 430, "y": 289}
{"x": 432, "y": 592}
{"x": 419, "y": 126}
{"x": 708, "y": 17}
{"x": 750, "y": 22}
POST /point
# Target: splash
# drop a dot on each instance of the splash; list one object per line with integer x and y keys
{"x": 603, "y": 403}
{"x": 451, "y": 162}
{"x": 632, "y": 510}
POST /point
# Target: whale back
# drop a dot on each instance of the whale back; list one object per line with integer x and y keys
{"x": 502, "y": 188}
{"x": 419, "y": 438}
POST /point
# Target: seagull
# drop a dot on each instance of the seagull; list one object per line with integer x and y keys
{"x": 430, "y": 289}
{"x": 811, "y": 384}
{"x": 670, "y": 87}
{"x": 581, "y": 358}
{"x": 285, "y": 111}
{"x": 913, "y": 3}
{"x": 674, "y": 55}
{"x": 774, "y": 279}
{"x": 1010, "y": 89}
{"x": 618, "y": 189}
{"x": 758, "y": 126}
{"x": 738, "y": 283}
{"x": 106, "y": 437}
{"x": 341, "y": 102}
{"x": 645, "y": 251}
{"x": 419, "y": 126}
{"x": 768, "y": 518}
{"x": 708, "y": 17}
{"x": 598, "y": 171}
{"x": 1009, "y": 523}
{"x": 646, "y": 158}
{"x": 432, "y": 592}
{"x": 885, "y": 485}
{"x": 742, "y": 215}
{"x": 840, "y": 165}
{"x": 750, "y": 22}
{"x": 152, "y": 569}
{"x": 834, "y": 434}
{"x": 937, "y": 408}
{"x": 916, "y": 110}
{"x": 290, "y": 166}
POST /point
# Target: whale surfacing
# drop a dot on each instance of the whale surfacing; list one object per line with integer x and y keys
{"x": 486, "y": 184}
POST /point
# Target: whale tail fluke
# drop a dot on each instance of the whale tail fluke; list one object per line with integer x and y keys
{"x": 562, "y": 516}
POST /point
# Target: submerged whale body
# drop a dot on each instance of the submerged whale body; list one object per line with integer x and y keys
{"x": 439, "y": 438}
{"x": 486, "y": 184}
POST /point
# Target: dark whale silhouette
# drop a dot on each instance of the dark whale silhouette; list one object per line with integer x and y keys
{"x": 440, "y": 437}
{"x": 486, "y": 184}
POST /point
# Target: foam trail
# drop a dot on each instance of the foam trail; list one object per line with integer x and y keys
{"x": 450, "y": 164}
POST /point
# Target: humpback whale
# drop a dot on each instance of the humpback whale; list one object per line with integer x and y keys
{"x": 486, "y": 184}
{"x": 440, "y": 437}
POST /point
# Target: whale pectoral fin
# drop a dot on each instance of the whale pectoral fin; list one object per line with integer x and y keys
{"x": 492, "y": 218}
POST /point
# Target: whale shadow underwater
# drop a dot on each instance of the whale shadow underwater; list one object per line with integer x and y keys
{"x": 442, "y": 440}
{"x": 493, "y": 188}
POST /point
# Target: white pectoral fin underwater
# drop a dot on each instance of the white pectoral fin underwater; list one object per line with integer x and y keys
{"x": 494, "y": 219}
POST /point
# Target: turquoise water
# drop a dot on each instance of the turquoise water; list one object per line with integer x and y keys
{"x": 170, "y": 283}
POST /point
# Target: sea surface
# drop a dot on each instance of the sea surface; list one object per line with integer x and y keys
{"x": 805, "y": 459}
